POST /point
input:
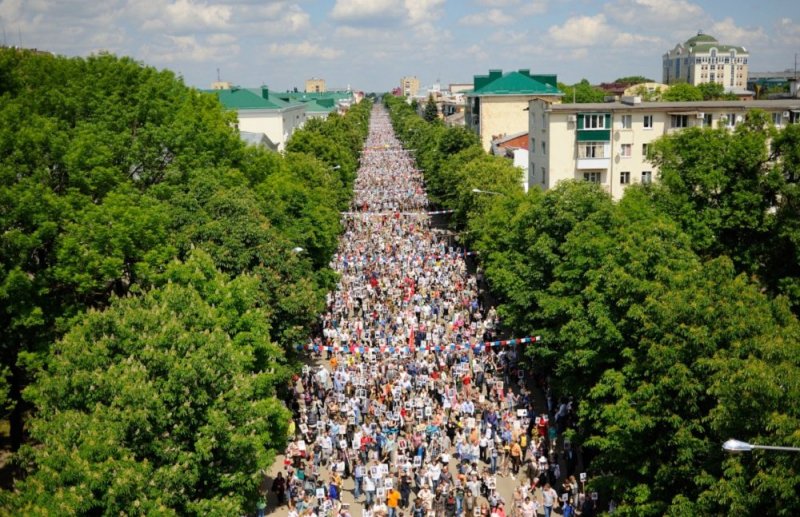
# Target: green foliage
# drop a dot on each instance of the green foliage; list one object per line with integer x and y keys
{"x": 431, "y": 112}
{"x": 582, "y": 92}
{"x": 715, "y": 91}
{"x": 668, "y": 350}
{"x": 110, "y": 172}
{"x": 682, "y": 92}
{"x": 164, "y": 402}
{"x": 634, "y": 79}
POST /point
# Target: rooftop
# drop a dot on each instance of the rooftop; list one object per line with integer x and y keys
{"x": 251, "y": 98}
{"x": 782, "y": 104}
{"x": 514, "y": 83}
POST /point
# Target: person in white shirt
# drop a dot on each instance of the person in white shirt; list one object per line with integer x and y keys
{"x": 530, "y": 508}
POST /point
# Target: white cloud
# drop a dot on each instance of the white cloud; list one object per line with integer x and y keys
{"x": 355, "y": 11}
{"x": 186, "y": 14}
{"x": 498, "y": 3}
{"x": 509, "y": 37}
{"x": 728, "y": 33}
{"x": 658, "y": 12}
{"x": 175, "y": 49}
{"x": 535, "y": 7}
{"x": 304, "y": 49}
{"x": 787, "y": 32}
{"x": 585, "y": 31}
{"x": 580, "y": 31}
{"x": 491, "y": 17}
{"x": 478, "y": 52}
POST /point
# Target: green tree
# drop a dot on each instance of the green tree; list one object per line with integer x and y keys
{"x": 582, "y": 92}
{"x": 164, "y": 403}
{"x": 431, "y": 112}
{"x": 633, "y": 79}
{"x": 682, "y": 92}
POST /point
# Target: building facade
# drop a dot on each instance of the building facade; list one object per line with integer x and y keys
{"x": 315, "y": 85}
{"x": 497, "y": 104}
{"x": 409, "y": 86}
{"x": 260, "y": 111}
{"x": 702, "y": 59}
{"x": 608, "y": 143}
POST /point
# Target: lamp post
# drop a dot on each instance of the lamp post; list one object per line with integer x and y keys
{"x": 298, "y": 249}
{"x": 740, "y": 446}
{"x": 479, "y": 191}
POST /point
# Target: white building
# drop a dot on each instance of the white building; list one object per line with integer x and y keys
{"x": 258, "y": 111}
{"x": 702, "y": 59}
{"x": 607, "y": 143}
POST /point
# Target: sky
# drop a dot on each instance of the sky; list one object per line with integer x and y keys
{"x": 370, "y": 45}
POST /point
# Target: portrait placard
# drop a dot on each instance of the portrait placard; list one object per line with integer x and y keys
{"x": 565, "y": 497}
{"x": 402, "y": 444}
{"x": 320, "y": 493}
{"x": 360, "y": 471}
{"x": 384, "y": 468}
{"x": 428, "y": 411}
{"x": 388, "y": 483}
{"x": 380, "y": 493}
{"x": 594, "y": 496}
{"x": 417, "y": 461}
{"x": 340, "y": 398}
{"x": 583, "y": 477}
{"x": 522, "y": 413}
{"x": 420, "y": 414}
{"x": 304, "y": 428}
{"x": 343, "y": 444}
{"x": 491, "y": 483}
{"x": 374, "y": 471}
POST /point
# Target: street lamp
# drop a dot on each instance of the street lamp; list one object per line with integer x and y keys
{"x": 740, "y": 446}
{"x": 479, "y": 191}
{"x": 298, "y": 249}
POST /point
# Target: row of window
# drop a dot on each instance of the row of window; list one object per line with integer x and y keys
{"x": 624, "y": 177}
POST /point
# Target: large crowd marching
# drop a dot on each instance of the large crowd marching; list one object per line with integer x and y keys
{"x": 416, "y": 401}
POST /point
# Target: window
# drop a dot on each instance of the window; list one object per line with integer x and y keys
{"x": 591, "y": 150}
{"x": 533, "y": 146}
{"x": 594, "y": 122}
{"x": 544, "y": 147}
{"x": 626, "y": 121}
{"x": 777, "y": 119}
{"x": 593, "y": 177}
{"x": 730, "y": 119}
{"x": 544, "y": 121}
{"x": 647, "y": 177}
{"x": 645, "y": 148}
{"x": 544, "y": 175}
{"x": 679, "y": 121}
{"x": 648, "y": 121}
{"x": 624, "y": 178}
{"x": 626, "y": 150}
{"x": 707, "y": 120}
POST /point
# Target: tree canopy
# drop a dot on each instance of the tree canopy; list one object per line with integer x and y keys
{"x": 666, "y": 315}
{"x": 151, "y": 287}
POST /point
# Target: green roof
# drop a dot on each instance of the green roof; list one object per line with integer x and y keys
{"x": 704, "y": 43}
{"x": 705, "y": 47}
{"x": 515, "y": 83}
{"x": 700, "y": 38}
{"x": 251, "y": 98}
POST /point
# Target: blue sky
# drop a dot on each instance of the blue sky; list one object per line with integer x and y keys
{"x": 371, "y": 44}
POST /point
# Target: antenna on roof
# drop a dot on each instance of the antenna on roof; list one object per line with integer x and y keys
{"x": 218, "y": 79}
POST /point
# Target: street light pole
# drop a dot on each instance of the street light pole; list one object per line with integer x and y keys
{"x": 740, "y": 446}
{"x": 479, "y": 191}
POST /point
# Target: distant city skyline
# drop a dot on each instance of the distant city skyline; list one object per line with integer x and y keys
{"x": 371, "y": 44}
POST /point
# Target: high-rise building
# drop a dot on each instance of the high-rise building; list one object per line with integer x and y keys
{"x": 409, "y": 86}
{"x": 315, "y": 85}
{"x": 703, "y": 59}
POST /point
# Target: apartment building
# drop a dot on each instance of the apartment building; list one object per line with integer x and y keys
{"x": 703, "y": 59}
{"x": 607, "y": 143}
{"x": 409, "y": 86}
{"x": 315, "y": 85}
{"x": 498, "y": 102}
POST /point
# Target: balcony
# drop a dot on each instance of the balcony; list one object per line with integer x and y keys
{"x": 594, "y": 163}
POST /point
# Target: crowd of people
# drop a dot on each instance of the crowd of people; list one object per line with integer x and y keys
{"x": 413, "y": 400}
